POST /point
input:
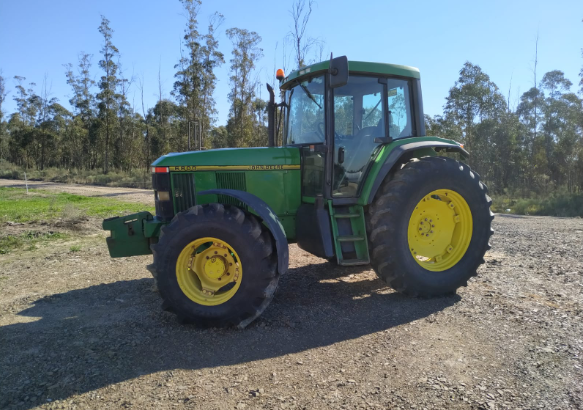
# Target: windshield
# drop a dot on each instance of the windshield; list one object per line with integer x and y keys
{"x": 305, "y": 122}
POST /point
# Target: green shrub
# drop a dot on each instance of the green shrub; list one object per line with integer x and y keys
{"x": 562, "y": 204}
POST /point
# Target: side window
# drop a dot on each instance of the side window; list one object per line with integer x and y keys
{"x": 401, "y": 124}
{"x": 372, "y": 109}
{"x": 344, "y": 115}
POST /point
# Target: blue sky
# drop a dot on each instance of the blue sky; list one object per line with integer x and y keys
{"x": 38, "y": 37}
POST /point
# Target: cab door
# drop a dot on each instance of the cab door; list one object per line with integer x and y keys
{"x": 358, "y": 121}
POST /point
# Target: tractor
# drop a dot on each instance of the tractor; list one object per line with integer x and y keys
{"x": 352, "y": 179}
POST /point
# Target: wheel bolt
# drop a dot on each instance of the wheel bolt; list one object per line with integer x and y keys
{"x": 216, "y": 252}
{"x": 225, "y": 255}
{"x": 230, "y": 264}
{"x": 433, "y": 226}
{"x": 207, "y": 257}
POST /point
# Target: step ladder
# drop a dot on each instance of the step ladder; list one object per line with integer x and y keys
{"x": 357, "y": 235}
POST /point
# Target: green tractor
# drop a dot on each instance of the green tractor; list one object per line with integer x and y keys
{"x": 355, "y": 181}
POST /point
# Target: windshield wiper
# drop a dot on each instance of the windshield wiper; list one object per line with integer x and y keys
{"x": 371, "y": 111}
{"x": 309, "y": 94}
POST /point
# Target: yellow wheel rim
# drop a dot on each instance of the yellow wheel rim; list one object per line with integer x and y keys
{"x": 440, "y": 230}
{"x": 209, "y": 271}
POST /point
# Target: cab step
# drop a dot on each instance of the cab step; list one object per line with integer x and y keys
{"x": 355, "y": 262}
{"x": 349, "y": 230}
{"x": 350, "y": 238}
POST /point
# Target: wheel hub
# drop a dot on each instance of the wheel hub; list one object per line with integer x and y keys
{"x": 208, "y": 271}
{"x": 214, "y": 267}
{"x": 440, "y": 230}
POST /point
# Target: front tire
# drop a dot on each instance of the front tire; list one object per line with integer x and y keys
{"x": 429, "y": 227}
{"x": 215, "y": 265}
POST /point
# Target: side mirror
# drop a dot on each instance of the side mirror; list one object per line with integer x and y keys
{"x": 338, "y": 71}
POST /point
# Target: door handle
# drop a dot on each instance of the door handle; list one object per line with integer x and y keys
{"x": 341, "y": 155}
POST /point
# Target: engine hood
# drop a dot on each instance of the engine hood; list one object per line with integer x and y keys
{"x": 232, "y": 158}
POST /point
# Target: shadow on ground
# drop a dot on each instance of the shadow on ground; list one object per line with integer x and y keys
{"x": 89, "y": 338}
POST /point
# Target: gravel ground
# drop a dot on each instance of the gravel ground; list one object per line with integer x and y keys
{"x": 80, "y": 330}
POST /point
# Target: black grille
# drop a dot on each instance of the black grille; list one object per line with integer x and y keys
{"x": 231, "y": 180}
{"x": 183, "y": 191}
{"x": 164, "y": 209}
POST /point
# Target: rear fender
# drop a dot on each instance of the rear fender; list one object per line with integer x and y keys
{"x": 265, "y": 213}
{"x": 403, "y": 153}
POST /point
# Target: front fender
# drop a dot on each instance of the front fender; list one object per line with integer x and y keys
{"x": 265, "y": 212}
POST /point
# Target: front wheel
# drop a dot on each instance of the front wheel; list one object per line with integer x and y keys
{"x": 215, "y": 265}
{"x": 429, "y": 227}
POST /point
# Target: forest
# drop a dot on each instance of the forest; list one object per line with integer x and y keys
{"x": 530, "y": 155}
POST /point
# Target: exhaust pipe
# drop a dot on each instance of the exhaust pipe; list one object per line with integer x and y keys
{"x": 271, "y": 117}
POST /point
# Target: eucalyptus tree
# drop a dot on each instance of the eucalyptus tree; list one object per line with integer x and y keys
{"x": 212, "y": 59}
{"x": 107, "y": 98}
{"x": 84, "y": 107}
{"x": 3, "y": 125}
{"x": 302, "y": 43}
{"x": 189, "y": 75}
{"x": 195, "y": 76}
{"x": 473, "y": 99}
{"x": 560, "y": 128}
{"x": 246, "y": 52}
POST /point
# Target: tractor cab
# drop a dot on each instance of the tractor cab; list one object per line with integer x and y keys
{"x": 340, "y": 124}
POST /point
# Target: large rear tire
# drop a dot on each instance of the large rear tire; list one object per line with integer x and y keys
{"x": 429, "y": 227}
{"x": 215, "y": 265}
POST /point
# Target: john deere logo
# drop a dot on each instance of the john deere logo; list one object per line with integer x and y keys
{"x": 265, "y": 167}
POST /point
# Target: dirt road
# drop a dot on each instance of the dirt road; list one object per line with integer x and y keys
{"x": 125, "y": 194}
{"x": 80, "y": 330}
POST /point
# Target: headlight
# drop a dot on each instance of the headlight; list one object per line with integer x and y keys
{"x": 163, "y": 195}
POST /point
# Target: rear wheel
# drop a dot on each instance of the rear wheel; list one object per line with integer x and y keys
{"x": 429, "y": 227}
{"x": 215, "y": 265}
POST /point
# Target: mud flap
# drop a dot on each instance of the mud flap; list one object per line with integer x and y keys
{"x": 127, "y": 235}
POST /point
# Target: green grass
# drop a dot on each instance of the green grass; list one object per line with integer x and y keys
{"x": 43, "y": 206}
{"x": 39, "y": 205}
{"x": 28, "y": 240}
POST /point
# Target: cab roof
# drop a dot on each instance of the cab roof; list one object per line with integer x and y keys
{"x": 354, "y": 67}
